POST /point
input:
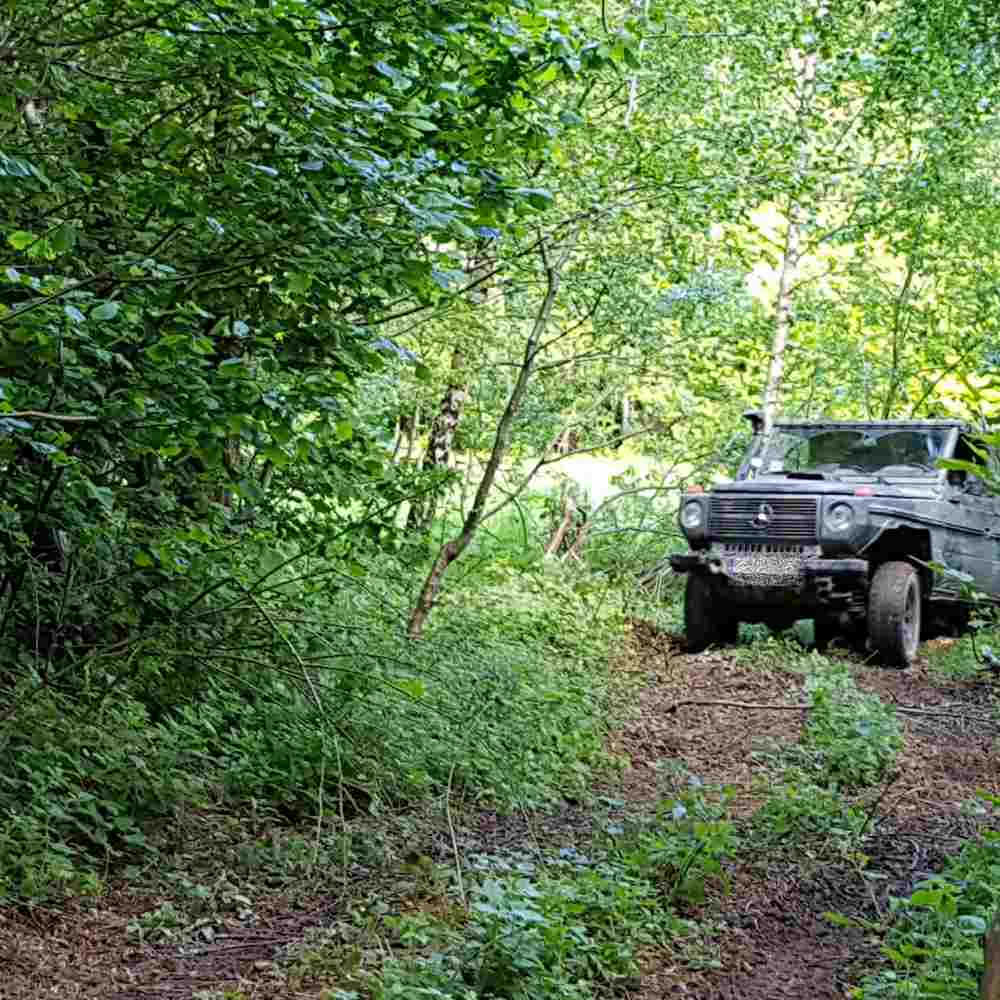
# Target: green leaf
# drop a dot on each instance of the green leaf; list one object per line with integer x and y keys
{"x": 344, "y": 430}
{"x": 21, "y": 239}
{"x": 64, "y": 238}
{"x": 74, "y": 314}
{"x": 537, "y": 197}
{"x": 232, "y": 368}
{"x": 414, "y": 687}
{"x": 106, "y": 310}
{"x": 400, "y": 80}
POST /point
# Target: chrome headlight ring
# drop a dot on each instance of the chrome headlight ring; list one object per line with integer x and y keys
{"x": 693, "y": 515}
{"x": 838, "y": 518}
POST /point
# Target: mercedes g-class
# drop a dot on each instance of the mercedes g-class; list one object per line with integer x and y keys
{"x": 844, "y": 522}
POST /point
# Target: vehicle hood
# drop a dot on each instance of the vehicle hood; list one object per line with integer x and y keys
{"x": 827, "y": 487}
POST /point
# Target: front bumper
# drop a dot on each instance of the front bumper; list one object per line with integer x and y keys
{"x": 811, "y": 580}
{"x": 713, "y": 562}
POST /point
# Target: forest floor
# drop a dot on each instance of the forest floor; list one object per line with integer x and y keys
{"x": 242, "y": 909}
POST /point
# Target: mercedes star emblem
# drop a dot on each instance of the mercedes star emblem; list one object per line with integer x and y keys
{"x": 763, "y": 517}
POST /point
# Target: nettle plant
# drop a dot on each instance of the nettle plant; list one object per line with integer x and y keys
{"x": 852, "y": 738}
{"x": 935, "y": 942}
{"x": 800, "y": 809}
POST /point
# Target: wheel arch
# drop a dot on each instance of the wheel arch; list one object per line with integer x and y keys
{"x": 905, "y": 543}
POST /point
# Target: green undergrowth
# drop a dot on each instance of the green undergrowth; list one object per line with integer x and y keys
{"x": 964, "y": 658}
{"x": 852, "y": 738}
{"x": 535, "y": 926}
{"x": 799, "y": 810}
{"x": 849, "y": 745}
{"x": 308, "y": 696}
{"x": 932, "y": 947}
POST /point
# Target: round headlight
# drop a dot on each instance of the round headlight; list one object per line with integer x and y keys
{"x": 692, "y": 515}
{"x": 839, "y": 517}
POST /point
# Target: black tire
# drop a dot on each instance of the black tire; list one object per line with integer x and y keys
{"x": 825, "y": 632}
{"x": 894, "y": 613}
{"x": 729, "y": 632}
{"x": 705, "y": 624}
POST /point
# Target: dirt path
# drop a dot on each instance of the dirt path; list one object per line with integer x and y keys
{"x": 770, "y": 940}
{"x": 775, "y": 942}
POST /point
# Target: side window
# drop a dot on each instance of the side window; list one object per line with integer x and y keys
{"x": 973, "y": 485}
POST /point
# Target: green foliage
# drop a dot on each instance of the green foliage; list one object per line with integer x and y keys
{"x": 851, "y": 738}
{"x": 800, "y": 810}
{"x": 215, "y": 207}
{"x": 562, "y": 929}
{"x": 963, "y": 658}
{"x": 934, "y": 945}
{"x": 534, "y": 926}
{"x": 310, "y": 686}
{"x": 685, "y": 843}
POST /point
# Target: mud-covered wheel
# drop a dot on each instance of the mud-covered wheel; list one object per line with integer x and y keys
{"x": 706, "y": 621}
{"x": 894, "y": 613}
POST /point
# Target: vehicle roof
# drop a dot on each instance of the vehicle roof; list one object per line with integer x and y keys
{"x": 851, "y": 424}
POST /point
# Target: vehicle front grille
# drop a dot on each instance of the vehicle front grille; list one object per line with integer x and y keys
{"x": 774, "y": 519}
{"x": 763, "y": 549}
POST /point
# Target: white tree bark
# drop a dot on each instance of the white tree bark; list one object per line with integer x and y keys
{"x": 641, "y": 9}
{"x": 784, "y": 302}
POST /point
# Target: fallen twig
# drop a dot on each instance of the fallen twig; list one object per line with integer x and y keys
{"x": 913, "y": 710}
{"x": 62, "y": 418}
{"x": 906, "y": 709}
{"x": 738, "y": 704}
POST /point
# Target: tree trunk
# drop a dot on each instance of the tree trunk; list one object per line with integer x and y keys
{"x": 569, "y": 512}
{"x": 783, "y": 317}
{"x": 439, "y": 445}
{"x": 409, "y": 425}
{"x": 782, "y": 320}
{"x": 989, "y": 985}
{"x": 445, "y": 425}
{"x": 452, "y": 549}
{"x": 641, "y": 10}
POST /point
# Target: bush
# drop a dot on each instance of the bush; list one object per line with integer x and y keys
{"x": 852, "y": 738}
{"x": 298, "y": 674}
{"x": 934, "y": 943}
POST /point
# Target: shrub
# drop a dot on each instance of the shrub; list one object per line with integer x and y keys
{"x": 851, "y": 738}
{"x": 934, "y": 944}
{"x": 298, "y": 673}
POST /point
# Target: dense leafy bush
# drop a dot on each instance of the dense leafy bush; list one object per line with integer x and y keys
{"x": 301, "y": 676}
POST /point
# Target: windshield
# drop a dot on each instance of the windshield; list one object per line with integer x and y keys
{"x": 859, "y": 452}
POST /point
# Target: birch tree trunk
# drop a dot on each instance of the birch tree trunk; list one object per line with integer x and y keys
{"x": 784, "y": 302}
{"x": 782, "y": 319}
{"x": 439, "y": 444}
{"x": 641, "y": 9}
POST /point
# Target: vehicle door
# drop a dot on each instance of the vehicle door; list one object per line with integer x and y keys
{"x": 973, "y": 543}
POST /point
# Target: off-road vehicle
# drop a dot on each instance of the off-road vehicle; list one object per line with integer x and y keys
{"x": 847, "y": 523}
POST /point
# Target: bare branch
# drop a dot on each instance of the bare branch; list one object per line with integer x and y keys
{"x": 59, "y": 418}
